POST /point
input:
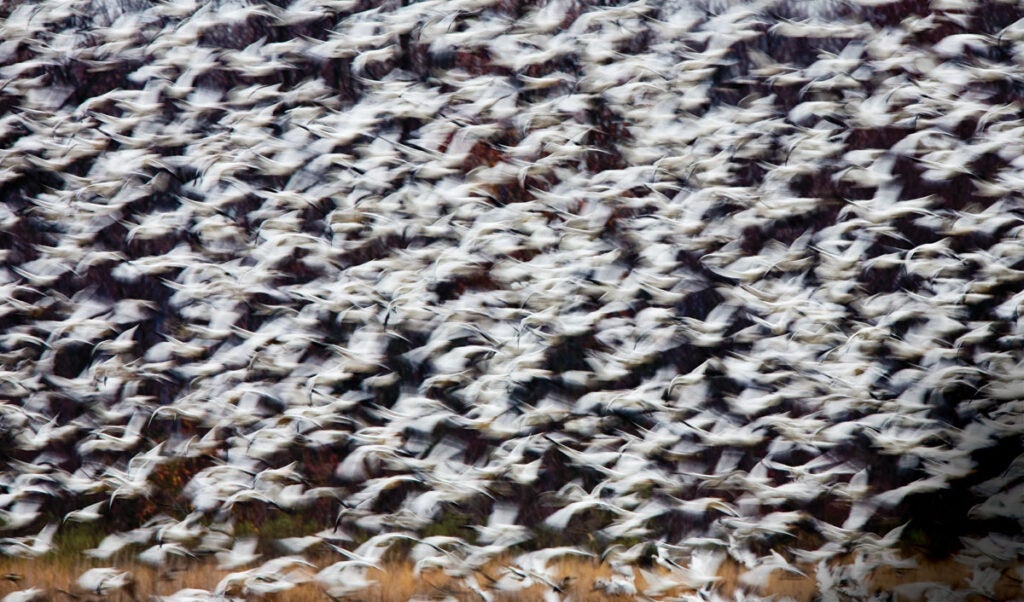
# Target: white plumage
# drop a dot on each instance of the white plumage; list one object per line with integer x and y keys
{"x": 702, "y": 274}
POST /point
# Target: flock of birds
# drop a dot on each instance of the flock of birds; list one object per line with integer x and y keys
{"x": 657, "y": 283}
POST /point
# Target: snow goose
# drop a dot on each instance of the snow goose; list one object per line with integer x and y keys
{"x": 106, "y": 581}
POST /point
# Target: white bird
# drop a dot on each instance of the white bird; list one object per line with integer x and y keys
{"x": 760, "y": 574}
{"x": 115, "y": 542}
{"x": 560, "y": 519}
{"x": 106, "y": 581}
{"x": 160, "y": 554}
{"x": 345, "y": 578}
{"x": 30, "y": 547}
{"x": 26, "y": 595}
{"x": 615, "y": 586}
{"x": 88, "y": 514}
{"x": 268, "y": 578}
{"x": 242, "y": 553}
{"x": 21, "y": 514}
{"x": 298, "y": 545}
{"x": 190, "y": 594}
{"x": 110, "y": 545}
{"x": 535, "y": 564}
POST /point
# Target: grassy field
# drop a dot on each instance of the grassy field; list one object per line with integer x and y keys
{"x": 400, "y": 583}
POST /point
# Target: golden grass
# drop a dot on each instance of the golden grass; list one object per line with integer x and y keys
{"x": 400, "y": 584}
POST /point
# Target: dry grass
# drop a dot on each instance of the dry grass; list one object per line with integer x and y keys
{"x": 400, "y": 584}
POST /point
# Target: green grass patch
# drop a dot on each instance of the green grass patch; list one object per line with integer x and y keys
{"x": 278, "y": 525}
